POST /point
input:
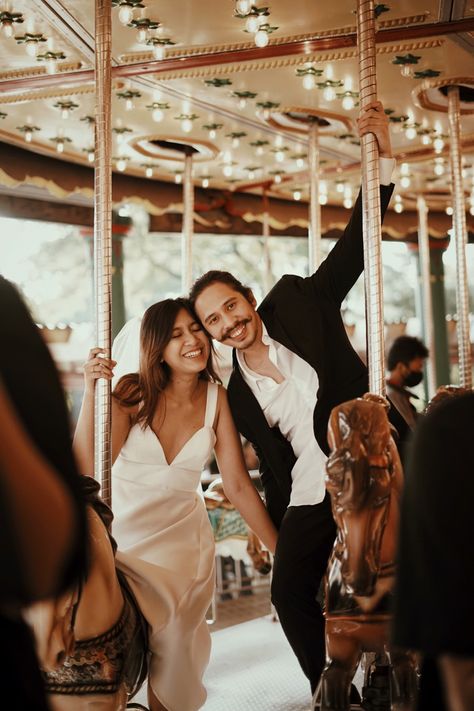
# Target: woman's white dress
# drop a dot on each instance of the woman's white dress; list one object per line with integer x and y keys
{"x": 166, "y": 550}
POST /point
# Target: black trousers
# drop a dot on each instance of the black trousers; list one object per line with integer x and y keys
{"x": 305, "y": 541}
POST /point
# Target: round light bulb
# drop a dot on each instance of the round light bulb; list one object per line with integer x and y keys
{"x": 51, "y": 66}
{"x": 323, "y": 199}
{"x": 149, "y": 171}
{"x": 449, "y": 210}
{"x": 121, "y": 164}
{"x": 406, "y": 70}
{"x": 91, "y": 156}
{"x": 227, "y": 171}
{"x": 340, "y": 187}
{"x": 251, "y": 174}
{"x": 252, "y": 24}
{"x": 296, "y": 195}
{"x": 405, "y": 181}
{"x": 279, "y": 156}
{"x": 277, "y": 178}
{"x": 28, "y": 136}
{"x": 439, "y": 169}
{"x": 64, "y": 113}
{"x": 398, "y": 207}
{"x": 438, "y": 145}
{"x": 125, "y": 14}
{"x": 32, "y": 48}
{"x": 142, "y": 35}
{"x": 348, "y": 103}
{"x": 278, "y": 141}
{"x": 60, "y": 146}
{"x": 426, "y": 139}
{"x": 259, "y": 150}
{"x": 243, "y": 7}
{"x": 329, "y": 93}
{"x": 262, "y": 38}
{"x": 308, "y": 82}
{"x": 178, "y": 178}
{"x": 404, "y": 169}
{"x": 205, "y": 183}
{"x": 299, "y": 162}
{"x": 212, "y": 134}
{"x": 157, "y": 115}
{"x": 347, "y": 203}
{"x": 159, "y": 51}
{"x": 242, "y": 103}
{"x": 410, "y": 133}
{"x": 186, "y": 125}
{"x": 128, "y": 105}
{"x": 120, "y": 138}
{"x": 7, "y": 28}
{"x": 235, "y": 142}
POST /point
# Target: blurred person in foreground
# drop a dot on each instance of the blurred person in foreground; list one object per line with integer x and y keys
{"x": 434, "y": 612}
{"x": 42, "y": 523}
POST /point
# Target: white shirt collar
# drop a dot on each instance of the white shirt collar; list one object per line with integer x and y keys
{"x": 250, "y": 375}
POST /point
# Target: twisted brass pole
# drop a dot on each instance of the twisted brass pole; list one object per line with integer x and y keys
{"x": 371, "y": 203}
{"x": 314, "y": 206}
{"x": 103, "y": 238}
{"x": 460, "y": 235}
{"x": 424, "y": 252}
{"x": 187, "y": 235}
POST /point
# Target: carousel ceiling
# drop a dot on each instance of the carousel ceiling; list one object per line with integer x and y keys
{"x": 237, "y": 83}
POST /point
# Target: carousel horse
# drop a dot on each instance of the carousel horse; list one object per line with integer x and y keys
{"x": 92, "y": 641}
{"x": 364, "y": 479}
{"x": 443, "y": 393}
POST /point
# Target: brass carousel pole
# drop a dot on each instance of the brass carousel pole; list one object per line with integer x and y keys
{"x": 460, "y": 234}
{"x": 267, "y": 273}
{"x": 371, "y": 203}
{"x": 424, "y": 252}
{"x": 314, "y": 206}
{"x": 187, "y": 235}
{"x": 103, "y": 238}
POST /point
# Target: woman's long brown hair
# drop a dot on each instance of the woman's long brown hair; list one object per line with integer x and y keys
{"x": 144, "y": 388}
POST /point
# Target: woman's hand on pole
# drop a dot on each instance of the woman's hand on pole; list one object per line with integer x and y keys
{"x": 373, "y": 119}
{"x": 97, "y": 366}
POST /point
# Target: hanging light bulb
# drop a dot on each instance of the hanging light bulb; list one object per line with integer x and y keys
{"x": 439, "y": 168}
{"x": 299, "y": 163}
{"x": 91, "y": 156}
{"x": 227, "y": 171}
{"x": 186, "y": 125}
{"x": 278, "y": 141}
{"x": 406, "y": 71}
{"x": 157, "y": 115}
{"x": 405, "y": 181}
{"x": 309, "y": 82}
{"x": 296, "y": 195}
{"x": 7, "y": 27}
{"x": 251, "y": 174}
{"x": 259, "y": 150}
{"x": 410, "y": 133}
{"x": 128, "y": 104}
{"x": 329, "y": 93}
{"x": 426, "y": 139}
{"x": 323, "y": 199}
{"x": 279, "y": 156}
{"x": 212, "y": 134}
{"x": 28, "y": 135}
{"x": 235, "y": 142}
{"x": 438, "y": 144}
{"x": 142, "y": 35}
{"x": 252, "y": 24}
{"x": 261, "y": 38}
{"x": 149, "y": 171}
{"x": 340, "y": 187}
{"x": 51, "y": 65}
{"x": 121, "y": 164}
{"x": 242, "y": 103}
{"x": 60, "y": 146}
{"x": 159, "y": 51}
{"x": 404, "y": 169}
{"x": 449, "y": 210}
{"x": 277, "y": 178}
{"x": 31, "y": 48}
{"x": 243, "y": 6}
{"x": 348, "y": 102}
{"x": 398, "y": 207}
{"x": 178, "y": 178}
{"x": 347, "y": 202}
{"x": 125, "y": 14}
{"x": 205, "y": 182}
{"x": 65, "y": 113}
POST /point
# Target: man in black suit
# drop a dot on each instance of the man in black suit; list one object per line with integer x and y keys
{"x": 293, "y": 363}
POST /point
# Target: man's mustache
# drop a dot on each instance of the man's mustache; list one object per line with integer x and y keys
{"x": 232, "y": 328}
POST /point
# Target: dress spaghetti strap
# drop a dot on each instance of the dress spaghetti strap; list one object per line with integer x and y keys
{"x": 211, "y": 404}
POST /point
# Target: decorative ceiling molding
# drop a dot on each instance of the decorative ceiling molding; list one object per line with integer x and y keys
{"x": 260, "y": 65}
{"x": 26, "y": 72}
{"x": 53, "y": 93}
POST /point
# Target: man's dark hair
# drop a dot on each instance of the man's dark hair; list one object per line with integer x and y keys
{"x": 404, "y": 349}
{"x": 217, "y": 277}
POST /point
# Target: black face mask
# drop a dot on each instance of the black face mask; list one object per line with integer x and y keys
{"x": 413, "y": 378}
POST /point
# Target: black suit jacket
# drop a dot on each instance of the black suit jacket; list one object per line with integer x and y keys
{"x": 304, "y": 315}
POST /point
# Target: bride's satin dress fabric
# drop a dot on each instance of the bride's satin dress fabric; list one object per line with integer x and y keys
{"x": 166, "y": 549}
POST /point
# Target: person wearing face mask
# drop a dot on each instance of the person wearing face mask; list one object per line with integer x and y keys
{"x": 405, "y": 361}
